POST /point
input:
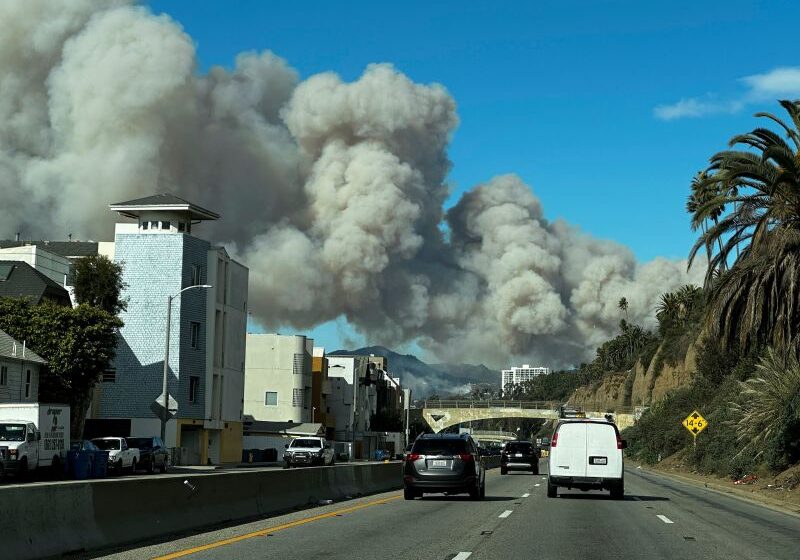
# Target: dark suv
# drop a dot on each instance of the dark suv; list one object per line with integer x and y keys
{"x": 519, "y": 456}
{"x": 153, "y": 454}
{"x": 447, "y": 463}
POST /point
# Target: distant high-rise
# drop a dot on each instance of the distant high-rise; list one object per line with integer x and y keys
{"x": 517, "y": 375}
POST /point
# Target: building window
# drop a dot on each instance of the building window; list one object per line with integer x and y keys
{"x": 181, "y": 226}
{"x": 165, "y": 225}
{"x": 197, "y": 275}
{"x": 299, "y": 362}
{"x": 271, "y": 399}
{"x": 144, "y": 225}
{"x": 297, "y": 398}
{"x": 3, "y": 375}
{"x": 194, "y": 334}
{"x": 27, "y": 383}
{"x": 153, "y": 225}
{"x": 194, "y": 388}
{"x": 110, "y": 376}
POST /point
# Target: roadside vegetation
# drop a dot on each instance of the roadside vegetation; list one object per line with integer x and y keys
{"x": 746, "y": 208}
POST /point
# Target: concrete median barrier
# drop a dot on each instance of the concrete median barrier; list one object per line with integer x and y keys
{"x": 50, "y": 519}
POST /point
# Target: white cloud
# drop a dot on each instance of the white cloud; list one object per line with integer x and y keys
{"x": 775, "y": 83}
{"x": 778, "y": 83}
{"x": 695, "y": 107}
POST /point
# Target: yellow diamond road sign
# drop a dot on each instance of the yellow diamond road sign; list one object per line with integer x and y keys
{"x": 695, "y": 423}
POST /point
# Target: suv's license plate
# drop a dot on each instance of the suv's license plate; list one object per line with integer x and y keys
{"x": 517, "y": 454}
{"x": 439, "y": 464}
{"x": 598, "y": 460}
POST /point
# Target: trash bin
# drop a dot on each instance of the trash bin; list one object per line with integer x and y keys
{"x": 99, "y": 464}
{"x": 80, "y": 464}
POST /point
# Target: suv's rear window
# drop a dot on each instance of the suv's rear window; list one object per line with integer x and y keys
{"x": 519, "y": 447}
{"x": 440, "y": 446}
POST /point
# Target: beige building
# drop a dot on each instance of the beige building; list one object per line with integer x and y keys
{"x": 278, "y": 379}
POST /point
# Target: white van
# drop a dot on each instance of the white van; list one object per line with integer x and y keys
{"x": 586, "y": 454}
{"x": 33, "y": 436}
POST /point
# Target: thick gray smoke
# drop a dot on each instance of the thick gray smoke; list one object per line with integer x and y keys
{"x": 331, "y": 192}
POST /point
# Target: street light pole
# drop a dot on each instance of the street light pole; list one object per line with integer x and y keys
{"x": 166, "y": 360}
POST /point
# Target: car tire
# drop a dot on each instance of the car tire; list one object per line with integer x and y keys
{"x": 151, "y": 466}
{"x": 409, "y": 494}
{"x": 287, "y": 465}
{"x": 133, "y": 466}
{"x": 483, "y": 490}
{"x": 552, "y": 490}
{"x": 22, "y": 473}
{"x": 535, "y": 469}
{"x": 118, "y": 467}
{"x": 503, "y": 470}
{"x": 618, "y": 491}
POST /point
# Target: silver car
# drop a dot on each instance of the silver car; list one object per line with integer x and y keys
{"x": 308, "y": 451}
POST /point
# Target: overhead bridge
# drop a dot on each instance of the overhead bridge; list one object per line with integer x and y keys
{"x": 441, "y": 414}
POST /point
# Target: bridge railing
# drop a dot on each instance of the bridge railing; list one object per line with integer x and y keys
{"x": 538, "y": 405}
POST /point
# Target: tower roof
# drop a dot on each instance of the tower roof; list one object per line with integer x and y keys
{"x": 164, "y": 202}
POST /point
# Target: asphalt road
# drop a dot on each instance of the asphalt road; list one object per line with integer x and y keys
{"x": 659, "y": 518}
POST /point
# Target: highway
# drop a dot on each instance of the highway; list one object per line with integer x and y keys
{"x": 659, "y": 518}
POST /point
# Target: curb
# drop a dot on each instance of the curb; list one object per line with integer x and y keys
{"x": 758, "y": 500}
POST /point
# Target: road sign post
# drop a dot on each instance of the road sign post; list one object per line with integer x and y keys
{"x": 695, "y": 423}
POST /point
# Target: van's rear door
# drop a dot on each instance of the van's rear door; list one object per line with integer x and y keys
{"x": 569, "y": 456}
{"x": 603, "y": 459}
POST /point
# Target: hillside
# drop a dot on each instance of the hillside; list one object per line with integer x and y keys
{"x": 428, "y": 379}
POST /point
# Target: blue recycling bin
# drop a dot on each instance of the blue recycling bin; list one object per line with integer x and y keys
{"x": 79, "y": 464}
{"x": 99, "y": 464}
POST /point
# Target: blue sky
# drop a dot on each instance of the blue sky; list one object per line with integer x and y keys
{"x": 605, "y": 108}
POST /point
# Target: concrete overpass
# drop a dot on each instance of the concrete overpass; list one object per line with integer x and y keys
{"x": 500, "y": 437}
{"x": 441, "y": 414}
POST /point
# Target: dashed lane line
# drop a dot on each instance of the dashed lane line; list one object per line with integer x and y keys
{"x": 664, "y": 518}
{"x": 525, "y": 495}
{"x": 462, "y": 556}
{"x": 508, "y": 512}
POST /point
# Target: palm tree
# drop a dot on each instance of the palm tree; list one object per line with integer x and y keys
{"x": 757, "y": 301}
{"x": 623, "y": 305}
{"x": 705, "y": 191}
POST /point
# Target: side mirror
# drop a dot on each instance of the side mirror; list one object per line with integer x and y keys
{"x": 286, "y": 446}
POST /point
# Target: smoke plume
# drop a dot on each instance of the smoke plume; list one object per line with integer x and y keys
{"x": 331, "y": 192}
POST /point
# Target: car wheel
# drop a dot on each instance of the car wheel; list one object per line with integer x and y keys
{"x": 133, "y": 466}
{"x": 475, "y": 493}
{"x": 286, "y": 465}
{"x": 151, "y": 466}
{"x": 503, "y": 470}
{"x": 410, "y": 493}
{"x": 535, "y": 469}
{"x": 552, "y": 490}
{"x": 23, "y": 469}
{"x": 618, "y": 490}
{"x": 118, "y": 467}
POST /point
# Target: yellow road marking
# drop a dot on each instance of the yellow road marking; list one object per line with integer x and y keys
{"x": 263, "y": 532}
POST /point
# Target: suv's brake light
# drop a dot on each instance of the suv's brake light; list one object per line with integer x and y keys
{"x": 466, "y": 457}
{"x": 554, "y": 440}
{"x": 413, "y": 456}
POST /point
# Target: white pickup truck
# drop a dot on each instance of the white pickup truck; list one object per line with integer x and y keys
{"x": 120, "y": 456}
{"x": 32, "y": 436}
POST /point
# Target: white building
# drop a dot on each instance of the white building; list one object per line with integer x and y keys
{"x": 278, "y": 380}
{"x": 160, "y": 256}
{"x": 352, "y": 401}
{"x": 518, "y": 375}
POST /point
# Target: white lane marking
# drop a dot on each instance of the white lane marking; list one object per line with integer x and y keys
{"x": 664, "y": 518}
{"x": 537, "y": 485}
{"x": 544, "y": 478}
{"x": 637, "y": 498}
{"x": 508, "y": 512}
{"x": 462, "y": 556}
{"x": 525, "y": 495}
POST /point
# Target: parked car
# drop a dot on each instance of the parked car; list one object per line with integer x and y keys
{"x": 519, "y": 456}
{"x": 586, "y": 454}
{"x": 153, "y": 454}
{"x": 447, "y": 463}
{"x": 308, "y": 451}
{"x": 120, "y": 455}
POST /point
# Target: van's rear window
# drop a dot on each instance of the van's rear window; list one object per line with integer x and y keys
{"x": 440, "y": 446}
{"x": 519, "y": 446}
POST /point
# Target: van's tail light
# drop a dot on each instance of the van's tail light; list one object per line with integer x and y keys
{"x": 412, "y": 456}
{"x": 466, "y": 457}
{"x": 621, "y": 442}
{"x": 554, "y": 440}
